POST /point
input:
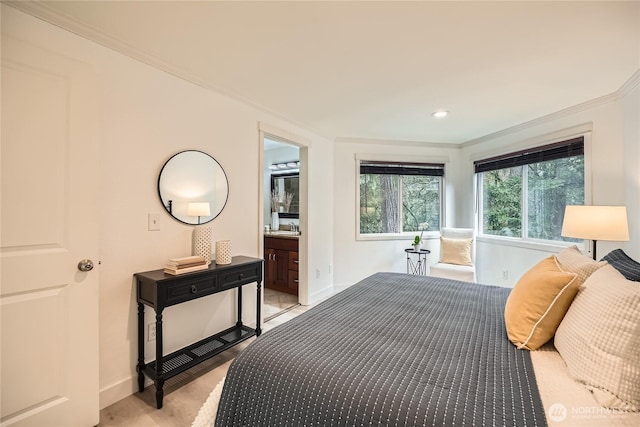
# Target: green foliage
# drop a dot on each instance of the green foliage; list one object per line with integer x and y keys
{"x": 420, "y": 202}
{"x": 503, "y": 202}
{"x": 380, "y": 198}
{"x": 550, "y": 187}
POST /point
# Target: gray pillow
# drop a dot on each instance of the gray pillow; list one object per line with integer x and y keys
{"x": 627, "y": 266}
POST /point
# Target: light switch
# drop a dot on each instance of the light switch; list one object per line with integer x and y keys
{"x": 154, "y": 222}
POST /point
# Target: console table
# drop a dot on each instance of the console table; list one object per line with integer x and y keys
{"x": 160, "y": 290}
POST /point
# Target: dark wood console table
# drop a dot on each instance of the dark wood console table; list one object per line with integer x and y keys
{"x": 160, "y": 290}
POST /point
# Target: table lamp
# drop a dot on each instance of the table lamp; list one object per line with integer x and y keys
{"x": 596, "y": 223}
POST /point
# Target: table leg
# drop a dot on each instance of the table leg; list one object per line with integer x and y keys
{"x": 159, "y": 392}
{"x": 239, "y": 322}
{"x": 258, "y": 307}
{"x": 159, "y": 365}
{"x": 140, "y": 366}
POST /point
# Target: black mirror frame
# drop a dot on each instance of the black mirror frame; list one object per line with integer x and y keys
{"x": 168, "y": 206}
{"x": 273, "y": 178}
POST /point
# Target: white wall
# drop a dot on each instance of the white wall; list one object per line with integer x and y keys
{"x": 631, "y": 135}
{"x": 146, "y": 116}
{"x": 615, "y": 178}
{"x": 614, "y": 123}
{"x": 357, "y": 259}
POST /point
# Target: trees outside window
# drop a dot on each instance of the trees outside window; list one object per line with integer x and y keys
{"x": 527, "y": 201}
{"x": 399, "y": 198}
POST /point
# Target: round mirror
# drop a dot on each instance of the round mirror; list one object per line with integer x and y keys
{"x": 193, "y": 187}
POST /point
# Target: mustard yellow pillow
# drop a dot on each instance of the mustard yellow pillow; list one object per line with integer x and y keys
{"x": 455, "y": 251}
{"x": 538, "y": 302}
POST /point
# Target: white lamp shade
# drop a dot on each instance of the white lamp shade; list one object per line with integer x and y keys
{"x": 199, "y": 209}
{"x": 596, "y": 223}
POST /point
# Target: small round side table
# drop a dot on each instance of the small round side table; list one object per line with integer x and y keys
{"x": 419, "y": 265}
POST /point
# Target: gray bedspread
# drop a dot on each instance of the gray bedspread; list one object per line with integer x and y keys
{"x": 392, "y": 350}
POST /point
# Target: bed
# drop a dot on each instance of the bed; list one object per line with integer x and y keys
{"x": 392, "y": 349}
{"x": 397, "y": 349}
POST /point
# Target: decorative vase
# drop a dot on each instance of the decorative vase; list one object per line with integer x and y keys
{"x": 201, "y": 242}
{"x": 416, "y": 247}
{"x": 275, "y": 221}
{"x": 223, "y": 252}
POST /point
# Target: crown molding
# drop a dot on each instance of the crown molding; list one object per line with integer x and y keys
{"x": 624, "y": 90}
{"x": 629, "y": 85}
{"x": 402, "y": 143}
{"x": 41, "y": 10}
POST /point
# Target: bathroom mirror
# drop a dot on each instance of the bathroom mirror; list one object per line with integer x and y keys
{"x": 286, "y": 187}
{"x": 193, "y": 187}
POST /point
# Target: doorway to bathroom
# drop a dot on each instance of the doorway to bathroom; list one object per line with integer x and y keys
{"x": 281, "y": 226}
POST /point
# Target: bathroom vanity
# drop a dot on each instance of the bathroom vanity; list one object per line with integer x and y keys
{"x": 281, "y": 262}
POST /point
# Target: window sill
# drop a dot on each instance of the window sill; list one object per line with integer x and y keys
{"x": 538, "y": 245}
{"x": 432, "y": 235}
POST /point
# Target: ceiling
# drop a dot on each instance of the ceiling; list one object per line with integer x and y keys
{"x": 377, "y": 70}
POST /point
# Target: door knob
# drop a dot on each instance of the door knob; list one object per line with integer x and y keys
{"x": 85, "y": 265}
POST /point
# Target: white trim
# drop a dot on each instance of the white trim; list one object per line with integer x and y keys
{"x": 303, "y": 218}
{"x": 402, "y": 158}
{"x": 320, "y": 295}
{"x": 631, "y": 83}
{"x": 537, "y": 141}
{"x": 41, "y": 10}
{"x": 538, "y": 245}
{"x": 403, "y": 143}
{"x": 283, "y": 135}
{"x": 407, "y": 235}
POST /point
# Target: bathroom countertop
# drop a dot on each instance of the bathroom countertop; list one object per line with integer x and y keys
{"x": 282, "y": 235}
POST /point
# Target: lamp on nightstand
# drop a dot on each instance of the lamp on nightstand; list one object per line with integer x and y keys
{"x": 596, "y": 223}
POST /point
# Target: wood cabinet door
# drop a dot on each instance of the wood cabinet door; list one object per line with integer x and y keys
{"x": 292, "y": 284}
{"x": 270, "y": 268}
{"x": 293, "y": 261}
{"x": 282, "y": 267}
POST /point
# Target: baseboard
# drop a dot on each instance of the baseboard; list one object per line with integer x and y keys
{"x": 128, "y": 386}
{"x": 118, "y": 391}
{"x": 320, "y": 295}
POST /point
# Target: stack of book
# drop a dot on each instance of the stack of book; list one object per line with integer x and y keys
{"x": 186, "y": 264}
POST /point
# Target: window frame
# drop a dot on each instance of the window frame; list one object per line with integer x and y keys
{"x": 529, "y": 242}
{"x": 407, "y": 235}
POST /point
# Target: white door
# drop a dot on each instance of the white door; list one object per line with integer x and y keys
{"x": 49, "y": 222}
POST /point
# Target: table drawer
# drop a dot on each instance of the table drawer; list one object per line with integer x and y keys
{"x": 191, "y": 289}
{"x": 240, "y": 275}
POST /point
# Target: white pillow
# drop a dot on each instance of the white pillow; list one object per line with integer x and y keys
{"x": 572, "y": 260}
{"x": 455, "y": 251}
{"x": 599, "y": 339}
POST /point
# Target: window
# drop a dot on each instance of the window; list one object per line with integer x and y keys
{"x": 400, "y": 197}
{"x": 523, "y": 194}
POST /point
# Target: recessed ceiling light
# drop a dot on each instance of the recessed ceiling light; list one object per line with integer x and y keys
{"x": 440, "y": 114}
